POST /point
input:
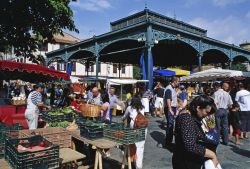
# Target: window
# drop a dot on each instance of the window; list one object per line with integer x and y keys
{"x": 74, "y": 67}
{"x": 43, "y": 47}
{"x": 99, "y": 67}
{"x": 62, "y": 45}
{"x": 21, "y": 60}
{"x": 61, "y": 66}
{"x": 123, "y": 69}
{"x": 115, "y": 67}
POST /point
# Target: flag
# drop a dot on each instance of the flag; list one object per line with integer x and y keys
{"x": 151, "y": 70}
{"x": 69, "y": 68}
{"x": 142, "y": 62}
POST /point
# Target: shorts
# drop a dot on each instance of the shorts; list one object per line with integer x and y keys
{"x": 159, "y": 103}
{"x": 236, "y": 131}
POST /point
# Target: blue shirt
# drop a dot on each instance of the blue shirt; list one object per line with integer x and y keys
{"x": 183, "y": 96}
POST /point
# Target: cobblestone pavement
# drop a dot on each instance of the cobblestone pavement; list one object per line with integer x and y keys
{"x": 157, "y": 157}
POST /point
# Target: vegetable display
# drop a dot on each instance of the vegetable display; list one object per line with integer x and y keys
{"x": 63, "y": 124}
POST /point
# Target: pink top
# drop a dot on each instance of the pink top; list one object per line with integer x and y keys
{"x": 105, "y": 114}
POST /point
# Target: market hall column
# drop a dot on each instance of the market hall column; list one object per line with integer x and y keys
{"x": 200, "y": 55}
{"x": 97, "y": 60}
{"x": 148, "y": 53}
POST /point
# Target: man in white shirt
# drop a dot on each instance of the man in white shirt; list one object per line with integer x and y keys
{"x": 170, "y": 100}
{"x": 223, "y": 101}
{"x": 243, "y": 99}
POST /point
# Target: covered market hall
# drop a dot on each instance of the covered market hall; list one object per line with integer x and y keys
{"x": 158, "y": 39}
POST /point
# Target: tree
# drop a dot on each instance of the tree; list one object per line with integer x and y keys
{"x": 239, "y": 66}
{"x": 137, "y": 73}
{"x": 25, "y": 24}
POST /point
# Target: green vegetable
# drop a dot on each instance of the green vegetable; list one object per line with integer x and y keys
{"x": 67, "y": 110}
{"x": 63, "y": 124}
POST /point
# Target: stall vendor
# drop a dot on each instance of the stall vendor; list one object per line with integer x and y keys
{"x": 34, "y": 101}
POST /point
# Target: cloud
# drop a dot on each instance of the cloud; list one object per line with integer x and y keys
{"x": 92, "y": 5}
{"x": 133, "y": 12}
{"x": 229, "y": 29}
{"x": 248, "y": 15}
{"x": 218, "y": 3}
{"x": 223, "y": 3}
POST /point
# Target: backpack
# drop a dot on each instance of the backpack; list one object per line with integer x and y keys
{"x": 140, "y": 120}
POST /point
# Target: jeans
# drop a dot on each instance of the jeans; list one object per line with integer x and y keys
{"x": 111, "y": 114}
{"x": 170, "y": 125}
{"x": 222, "y": 124}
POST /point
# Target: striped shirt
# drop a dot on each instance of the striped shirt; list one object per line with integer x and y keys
{"x": 36, "y": 97}
{"x": 222, "y": 99}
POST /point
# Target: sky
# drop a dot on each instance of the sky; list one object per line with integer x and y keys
{"x": 225, "y": 20}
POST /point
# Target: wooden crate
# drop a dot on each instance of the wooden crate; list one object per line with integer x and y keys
{"x": 56, "y": 135}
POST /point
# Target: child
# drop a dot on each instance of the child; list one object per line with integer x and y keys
{"x": 235, "y": 120}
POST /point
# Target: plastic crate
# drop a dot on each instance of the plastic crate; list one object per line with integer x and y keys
{"x": 4, "y": 129}
{"x": 93, "y": 131}
{"x": 56, "y": 135}
{"x": 42, "y": 159}
{"x": 124, "y": 135}
{"x": 53, "y": 118}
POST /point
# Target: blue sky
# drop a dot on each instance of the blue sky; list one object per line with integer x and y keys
{"x": 225, "y": 20}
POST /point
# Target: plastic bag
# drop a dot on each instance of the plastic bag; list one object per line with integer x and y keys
{"x": 210, "y": 165}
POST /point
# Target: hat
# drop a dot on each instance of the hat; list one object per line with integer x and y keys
{"x": 182, "y": 87}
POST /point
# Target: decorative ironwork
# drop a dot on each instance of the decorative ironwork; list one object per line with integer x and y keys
{"x": 207, "y": 46}
{"x": 159, "y": 35}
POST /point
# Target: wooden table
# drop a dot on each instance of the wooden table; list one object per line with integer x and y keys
{"x": 101, "y": 144}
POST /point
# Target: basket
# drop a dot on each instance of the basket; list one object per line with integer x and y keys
{"x": 56, "y": 135}
{"x": 90, "y": 110}
{"x": 18, "y": 102}
{"x": 47, "y": 158}
{"x": 124, "y": 135}
{"x": 5, "y": 132}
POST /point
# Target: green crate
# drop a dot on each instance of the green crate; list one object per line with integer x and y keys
{"x": 124, "y": 135}
{"x": 47, "y": 158}
{"x": 3, "y": 130}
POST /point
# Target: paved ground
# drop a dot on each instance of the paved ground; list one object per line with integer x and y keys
{"x": 156, "y": 157}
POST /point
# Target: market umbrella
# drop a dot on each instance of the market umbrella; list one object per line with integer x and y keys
{"x": 164, "y": 72}
{"x": 212, "y": 74}
{"x": 180, "y": 72}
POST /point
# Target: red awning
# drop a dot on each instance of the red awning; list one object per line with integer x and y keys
{"x": 29, "y": 72}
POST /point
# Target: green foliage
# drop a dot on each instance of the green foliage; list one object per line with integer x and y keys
{"x": 137, "y": 73}
{"x": 26, "y": 23}
{"x": 240, "y": 67}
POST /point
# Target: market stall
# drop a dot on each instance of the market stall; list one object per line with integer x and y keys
{"x": 213, "y": 74}
{"x": 26, "y": 72}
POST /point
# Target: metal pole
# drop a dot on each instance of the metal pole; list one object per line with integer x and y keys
{"x": 149, "y": 45}
{"x": 200, "y": 64}
{"x": 97, "y": 60}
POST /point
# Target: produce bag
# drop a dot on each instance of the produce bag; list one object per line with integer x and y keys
{"x": 210, "y": 165}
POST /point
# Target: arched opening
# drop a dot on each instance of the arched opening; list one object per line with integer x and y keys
{"x": 122, "y": 54}
{"x": 240, "y": 63}
{"x": 83, "y": 61}
{"x": 126, "y": 51}
{"x": 174, "y": 53}
{"x": 240, "y": 59}
{"x": 215, "y": 57}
